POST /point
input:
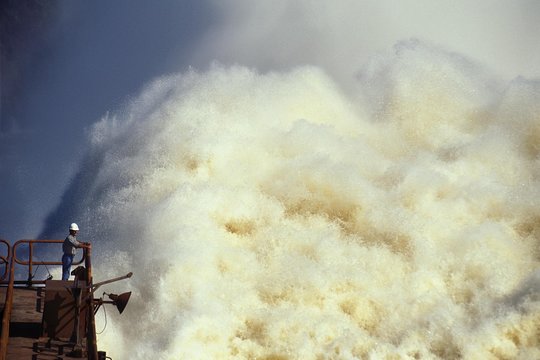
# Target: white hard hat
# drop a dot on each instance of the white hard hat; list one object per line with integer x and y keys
{"x": 73, "y": 227}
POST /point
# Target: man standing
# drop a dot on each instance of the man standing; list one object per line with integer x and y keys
{"x": 69, "y": 248}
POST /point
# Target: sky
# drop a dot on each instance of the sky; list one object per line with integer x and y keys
{"x": 67, "y": 63}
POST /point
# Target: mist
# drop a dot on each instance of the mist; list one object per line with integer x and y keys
{"x": 83, "y": 60}
{"x": 65, "y": 64}
{"x": 289, "y": 180}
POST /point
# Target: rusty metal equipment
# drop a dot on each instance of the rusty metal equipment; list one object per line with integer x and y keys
{"x": 61, "y": 310}
{"x": 69, "y": 306}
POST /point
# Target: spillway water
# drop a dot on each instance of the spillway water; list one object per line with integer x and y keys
{"x": 279, "y": 215}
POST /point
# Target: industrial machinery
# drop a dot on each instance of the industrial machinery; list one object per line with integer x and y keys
{"x": 49, "y": 319}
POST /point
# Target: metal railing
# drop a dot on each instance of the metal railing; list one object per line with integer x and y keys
{"x": 4, "y": 260}
{"x": 12, "y": 260}
{"x": 31, "y": 261}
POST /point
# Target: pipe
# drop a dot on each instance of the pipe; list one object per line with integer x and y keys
{"x": 96, "y": 286}
{"x": 30, "y": 258}
{"x": 5, "y": 259}
{"x": 91, "y": 332}
{"x": 4, "y": 337}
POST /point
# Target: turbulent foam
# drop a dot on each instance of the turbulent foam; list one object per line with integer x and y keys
{"x": 274, "y": 216}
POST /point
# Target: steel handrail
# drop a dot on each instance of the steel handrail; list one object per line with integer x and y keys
{"x": 5, "y": 259}
{"x": 8, "y": 304}
{"x": 31, "y": 260}
{"x": 6, "y": 317}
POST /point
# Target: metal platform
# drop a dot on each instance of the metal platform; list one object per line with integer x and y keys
{"x": 49, "y": 319}
{"x": 25, "y": 329}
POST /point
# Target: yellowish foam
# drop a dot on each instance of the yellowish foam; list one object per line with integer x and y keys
{"x": 273, "y": 216}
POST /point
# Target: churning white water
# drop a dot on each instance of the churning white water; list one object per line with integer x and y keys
{"x": 278, "y": 216}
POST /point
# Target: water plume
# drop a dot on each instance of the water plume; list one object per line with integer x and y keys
{"x": 277, "y": 216}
